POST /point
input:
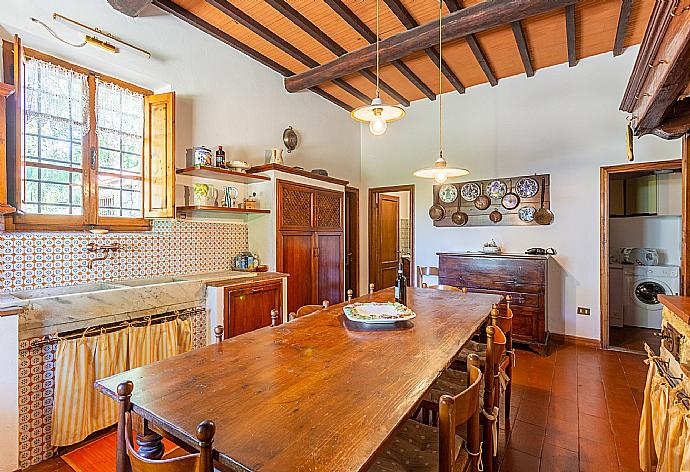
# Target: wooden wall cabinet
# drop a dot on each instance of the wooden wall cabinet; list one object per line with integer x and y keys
{"x": 248, "y": 308}
{"x": 525, "y": 278}
{"x": 310, "y": 243}
{"x": 5, "y": 91}
{"x": 640, "y": 195}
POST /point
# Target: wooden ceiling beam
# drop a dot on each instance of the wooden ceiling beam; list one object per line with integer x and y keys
{"x": 129, "y": 7}
{"x": 622, "y": 29}
{"x": 479, "y": 17}
{"x": 570, "y": 34}
{"x": 409, "y": 22}
{"x": 676, "y": 122}
{"x": 521, "y": 41}
{"x": 312, "y": 30}
{"x": 266, "y": 34}
{"x": 358, "y": 25}
{"x": 177, "y": 11}
{"x": 454, "y": 5}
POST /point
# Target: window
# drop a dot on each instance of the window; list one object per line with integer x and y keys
{"x": 82, "y": 141}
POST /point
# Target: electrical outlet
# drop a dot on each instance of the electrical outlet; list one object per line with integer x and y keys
{"x": 581, "y": 310}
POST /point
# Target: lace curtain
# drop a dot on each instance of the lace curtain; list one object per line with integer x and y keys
{"x": 56, "y": 97}
{"x": 119, "y": 112}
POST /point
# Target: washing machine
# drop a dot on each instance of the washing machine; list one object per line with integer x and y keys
{"x": 641, "y": 285}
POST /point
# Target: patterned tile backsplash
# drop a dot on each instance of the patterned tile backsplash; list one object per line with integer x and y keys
{"x": 36, "y": 260}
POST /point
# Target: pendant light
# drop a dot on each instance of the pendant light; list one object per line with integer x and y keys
{"x": 440, "y": 170}
{"x": 377, "y": 114}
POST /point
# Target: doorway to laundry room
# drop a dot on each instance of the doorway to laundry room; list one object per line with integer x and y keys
{"x": 641, "y": 250}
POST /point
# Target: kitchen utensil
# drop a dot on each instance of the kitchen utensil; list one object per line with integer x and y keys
{"x": 540, "y": 251}
{"x": 459, "y": 217}
{"x": 238, "y": 166}
{"x": 510, "y": 200}
{"x": 436, "y": 212}
{"x": 543, "y": 216}
{"x": 470, "y": 191}
{"x": 448, "y": 193}
{"x": 199, "y": 156}
{"x": 495, "y": 216}
{"x": 277, "y": 156}
{"x": 290, "y": 139}
{"x": 526, "y": 213}
{"x": 323, "y": 172}
{"x": 491, "y": 248}
{"x": 482, "y": 202}
{"x": 496, "y": 189}
{"x": 526, "y": 187}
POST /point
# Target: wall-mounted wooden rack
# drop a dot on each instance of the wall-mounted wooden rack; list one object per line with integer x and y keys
{"x": 197, "y": 208}
{"x": 221, "y": 174}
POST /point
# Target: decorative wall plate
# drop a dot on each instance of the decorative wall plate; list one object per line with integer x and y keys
{"x": 470, "y": 191}
{"x": 496, "y": 189}
{"x": 527, "y": 187}
{"x": 526, "y": 213}
{"x": 448, "y": 193}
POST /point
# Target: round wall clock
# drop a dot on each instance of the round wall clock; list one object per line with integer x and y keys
{"x": 448, "y": 193}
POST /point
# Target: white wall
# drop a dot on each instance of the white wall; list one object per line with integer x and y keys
{"x": 661, "y": 232}
{"x": 563, "y": 121}
{"x": 223, "y": 97}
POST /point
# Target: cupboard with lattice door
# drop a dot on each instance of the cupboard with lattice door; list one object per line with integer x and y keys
{"x": 310, "y": 243}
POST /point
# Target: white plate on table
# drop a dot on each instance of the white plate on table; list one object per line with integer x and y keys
{"x": 378, "y": 312}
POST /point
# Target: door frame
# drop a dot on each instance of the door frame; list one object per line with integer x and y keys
{"x": 604, "y": 253}
{"x": 372, "y": 245}
{"x": 352, "y": 226}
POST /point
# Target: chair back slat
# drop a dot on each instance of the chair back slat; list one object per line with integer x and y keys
{"x": 309, "y": 309}
{"x": 457, "y": 410}
{"x": 424, "y": 271}
{"x": 185, "y": 463}
{"x": 495, "y": 349}
{"x": 443, "y": 287}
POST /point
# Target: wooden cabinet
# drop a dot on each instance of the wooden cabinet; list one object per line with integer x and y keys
{"x": 669, "y": 194}
{"x": 525, "y": 278}
{"x": 640, "y": 195}
{"x": 5, "y": 91}
{"x": 249, "y": 307}
{"x": 310, "y": 243}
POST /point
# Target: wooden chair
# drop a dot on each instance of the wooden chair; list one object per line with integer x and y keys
{"x": 129, "y": 460}
{"x": 418, "y": 447}
{"x": 443, "y": 287}
{"x": 218, "y": 331}
{"x": 452, "y": 382}
{"x": 371, "y": 288}
{"x": 308, "y": 310}
{"x": 423, "y": 271}
{"x": 349, "y": 295}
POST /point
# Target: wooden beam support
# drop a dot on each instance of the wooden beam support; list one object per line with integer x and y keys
{"x": 676, "y": 123}
{"x": 570, "y": 34}
{"x": 478, "y": 17}
{"x": 170, "y": 7}
{"x": 358, "y": 25}
{"x": 312, "y": 30}
{"x": 260, "y": 30}
{"x": 409, "y": 22}
{"x": 622, "y": 30}
{"x": 454, "y": 5}
{"x": 522, "y": 47}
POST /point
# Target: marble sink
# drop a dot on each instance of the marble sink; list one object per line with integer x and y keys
{"x": 59, "y": 291}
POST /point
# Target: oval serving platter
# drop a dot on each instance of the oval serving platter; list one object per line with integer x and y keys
{"x": 378, "y": 312}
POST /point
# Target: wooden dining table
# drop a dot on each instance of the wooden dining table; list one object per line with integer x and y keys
{"x": 319, "y": 393}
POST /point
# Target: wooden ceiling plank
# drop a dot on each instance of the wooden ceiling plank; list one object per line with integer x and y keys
{"x": 454, "y": 5}
{"x": 358, "y": 25}
{"x": 519, "y": 34}
{"x": 570, "y": 33}
{"x": 409, "y": 22}
{"x": 480, "y": 17}
{"x": 251, "y": 24}
{"x": 622, "y": 29}
{"x": 312, "y": 30}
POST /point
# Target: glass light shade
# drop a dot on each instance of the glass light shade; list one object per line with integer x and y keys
{"x": 378, "y": 125}
{"x": 367, "y": 113}
{"x": 440, "y": 171}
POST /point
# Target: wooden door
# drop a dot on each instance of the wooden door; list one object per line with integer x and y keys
{"x": 247, "y": 309}
{"x": 387, "y": 240}
{"x": 159, "y": 156}
{"x": 352, "y": 240}
{"x": 329, "y": 267}
{"x": 297, "y": 253}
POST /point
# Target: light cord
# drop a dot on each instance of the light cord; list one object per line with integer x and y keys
{"x": 377, "y": 48}
{"x": 54, "y": 34}
{"x": 440, "y": 78}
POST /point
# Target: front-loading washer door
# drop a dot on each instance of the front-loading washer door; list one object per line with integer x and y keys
{"x": 645, "y": 293}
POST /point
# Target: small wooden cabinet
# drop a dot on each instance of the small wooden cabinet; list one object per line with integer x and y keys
{"x": 310, "y": 243}
{"x": 523, "y": 277}
{"x": 248, "y": 307}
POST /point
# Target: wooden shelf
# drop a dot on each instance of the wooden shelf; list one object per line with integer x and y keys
{"x": 187, "y": 209}
{"x": 292, "y": 170}
{"x": 221, "y": 174}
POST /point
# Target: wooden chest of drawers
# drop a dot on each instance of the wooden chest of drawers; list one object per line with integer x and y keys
{"x": 523, "y": 277}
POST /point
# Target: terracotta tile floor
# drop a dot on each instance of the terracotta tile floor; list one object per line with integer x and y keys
{"x": 576, "y": 409}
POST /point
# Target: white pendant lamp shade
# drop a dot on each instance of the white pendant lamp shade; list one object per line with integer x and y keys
{"x": 440, "y": 172}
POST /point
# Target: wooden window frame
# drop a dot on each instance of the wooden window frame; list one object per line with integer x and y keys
{"x": 90, "y": 218}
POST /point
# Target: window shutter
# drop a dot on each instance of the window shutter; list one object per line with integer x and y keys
{"x": 13, "y": 59}
{"x": 159, "y": 156}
